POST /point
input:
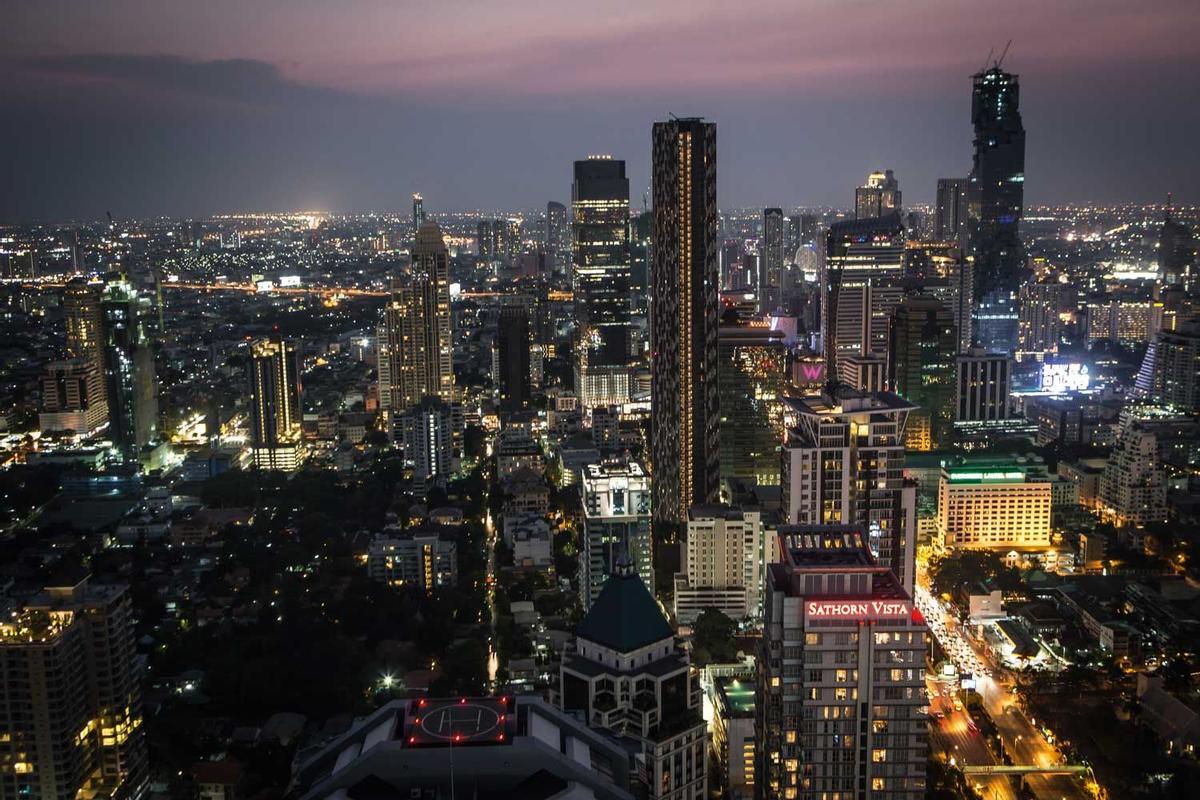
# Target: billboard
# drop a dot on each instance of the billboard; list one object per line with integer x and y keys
{"x": 1059, "y": 378}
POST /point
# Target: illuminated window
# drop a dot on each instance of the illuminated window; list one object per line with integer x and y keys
{"x": 879, "y": 756}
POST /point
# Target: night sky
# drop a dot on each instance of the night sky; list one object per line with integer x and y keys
{"x": 148, "y": 107}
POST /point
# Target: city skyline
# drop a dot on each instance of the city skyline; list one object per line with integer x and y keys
{"x": 185, "y": 117}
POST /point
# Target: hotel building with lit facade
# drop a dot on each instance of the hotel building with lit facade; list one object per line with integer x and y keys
{"x": 1001, "y": 503}
{"x": 841, "y": 677}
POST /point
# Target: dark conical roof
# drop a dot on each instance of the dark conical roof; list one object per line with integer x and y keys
{"x": 624, "y": 616}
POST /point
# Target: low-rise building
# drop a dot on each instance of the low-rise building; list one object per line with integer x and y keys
{"x": 427, "y": 558}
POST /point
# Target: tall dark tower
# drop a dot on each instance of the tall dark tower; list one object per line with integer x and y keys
{"x": 418, "y": 217}
{"x": 600, "y": 227}
{"x": 996, "y": 187}
{"x": 512, "y": 356}
{"x": 1176, "y": 250}
{"x": 684, "y": 333}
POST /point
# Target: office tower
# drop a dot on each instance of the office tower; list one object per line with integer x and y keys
{"x": 864, "y": 373}
{"x": 1039, "y": 322}
{"x": 723, "y": 559}
{"x": 841, "y": 674}
{"x": 558, "y": 235}
{"x": 984, "y": 383}
{"x": 129, "y": 368}
{"x": 427, "y": 436}
{"x": 73, "y": 397}
{"x": 921, "y": 369}
{"x": 418, "y": 214}
{"x": 843, "y": 465}
{"x": 84, "y": 321}
{"x": 878, "y": 197}
{"x": 624, "y": 640}
{"x": 801, "y": 230}
{"x": 513, "y": 349}
{"x": 275, "y": 437}
{"x": 752, "y": 376}
{"x": 414, "y": 338}
{"x": 641, "y": 234}
{"x": 771, "y": 260}
{"x": 600, "y": 230}
{"x": 861, "y": 285}
{"x": 1177, "y": 250}
{"x": 1170, "y": 372}
{"x": 994, "y": 503}
{"x": 72, "y": 716}
{"x": 616, "y": 520}
{"x": 941, "y": 271}
{"x": 684, "y": 425}
{"x": 518, "y": 747}
{"x": 950, "y": 220}
{"x": 996, "y": 186}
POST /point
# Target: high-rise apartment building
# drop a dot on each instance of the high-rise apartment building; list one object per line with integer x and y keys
{"x": 1170, "y": 372}
{"x": 616, "y": 521}
{"x": 1039, "y": 318}
{"x": 753, "y": 376}
{"x": 84, "y": 321}
{"x": 513, "y": 347}
{"x": 558, "y": 235}
{"x": 72, "y": 716}
{"x": 771, "y": 260}
{"x": 921, "y": 369}
{"x": 73, "y": 397}
{"x": 841, "y": 675}
{"x": 414, "y": 337}
{"x": 624, "y": 641}
{"x": 984, "y": 383}
{"x": 275, "y": 416}
{"x": 684, "y": 432}
{"x": 941, "y": 271}
{"x": 996, "y": 187}
{"x": 132, "y": 385}
{"x": 427, "y": 436}
{"x": 1154, "y": 444}
{"x": 861, "y": 285}
{"x": 499, "y": 239}
{"x": 601, "y": 275}
{"x": 866, "y": 373}
{"x": 878, "y": 197}
{"x": 723, "y": 557}
{"x": 950, "y": 216}
{"x": 994, "y": 503}
{"x": 801, "y": 230}
{"x": 843, "y": 464}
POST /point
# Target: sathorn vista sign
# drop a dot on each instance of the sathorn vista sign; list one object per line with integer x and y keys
{"x": 857, "y": 609}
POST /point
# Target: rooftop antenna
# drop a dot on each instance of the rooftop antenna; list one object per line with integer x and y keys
{"x": 988, "y": 60}
{"x": 1002, "y": 55}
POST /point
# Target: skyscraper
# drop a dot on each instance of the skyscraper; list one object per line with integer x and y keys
{"x": 801, "y": 229}
{"x": 1170, "y": 372}
{"x": 878, "y": 197}
{"x": 275, "y": 412}
{"x": 863, "y": 268}
{"x": 921, "y": 369}
{"x": 616, "y": 522}
{"x": 427, "y": 437}
{"x": 771, "y": 260}
{"x": 950, "y": 217}
{"x": 558, "y": 234}
{"x": 418, "y": 215}
{"x": 513, "y": 348}
{"x": 72, "y": 716}
{"x": 684, "y": 405}
{"x": 996, "y": 187}
{"x": 1039, "y": 328}
{"x": 984, "y": 384}
{"x": 414, "y": 337}
{"x": 841, "y": 673}
{"x": 129, "y": 368}
{"x": 600, "y": 230}
{"x": 842, "y": 465}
